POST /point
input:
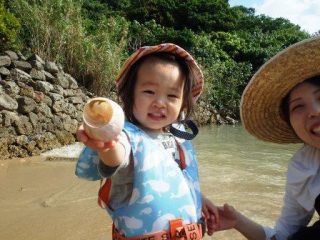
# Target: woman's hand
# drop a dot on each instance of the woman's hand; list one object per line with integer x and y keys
{"x": 231, "y": 218}
{"x": 210, "y": 213}
{"x": 228, "y": 217}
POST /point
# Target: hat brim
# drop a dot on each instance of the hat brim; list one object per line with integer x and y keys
{"x": 260, "y": 106}
{"x": 198, "y": 82}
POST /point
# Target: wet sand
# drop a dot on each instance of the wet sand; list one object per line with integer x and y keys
{"x": 42, "y": 199}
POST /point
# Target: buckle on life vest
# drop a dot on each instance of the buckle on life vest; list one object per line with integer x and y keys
{"x": 174, "y": 225}
{"x": 192, "y": 231}
{"x": 177, "y": 231}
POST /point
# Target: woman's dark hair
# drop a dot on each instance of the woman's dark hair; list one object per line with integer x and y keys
{"x": 126, "y": 89}
{"x": 285, "y": 101}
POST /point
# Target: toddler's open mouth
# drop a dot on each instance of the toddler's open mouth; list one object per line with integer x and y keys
{"x": 156, "y": 115}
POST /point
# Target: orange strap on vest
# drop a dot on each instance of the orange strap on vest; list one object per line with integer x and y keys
{"x": 183, "y": 164}
{"x": 103, "y": 195}
{"x": 177, "y": 231}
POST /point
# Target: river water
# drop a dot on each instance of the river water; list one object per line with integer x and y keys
{"x": 44, "y": 200}
{"x": 242, "y": 171}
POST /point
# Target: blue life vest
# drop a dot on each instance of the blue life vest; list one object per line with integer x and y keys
{"x": 162, "y": 191}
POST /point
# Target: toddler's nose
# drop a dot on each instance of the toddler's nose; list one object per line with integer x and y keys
{"x": 159, "y": 102}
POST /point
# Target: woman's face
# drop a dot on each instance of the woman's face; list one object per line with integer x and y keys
{"x": 304, "y": 112}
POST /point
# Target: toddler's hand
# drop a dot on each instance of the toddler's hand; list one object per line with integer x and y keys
{"x": 103, "y": 119}
{"x": 92, "y": 143}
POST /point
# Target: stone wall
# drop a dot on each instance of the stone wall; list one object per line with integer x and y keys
{"x": 40, "y": 105}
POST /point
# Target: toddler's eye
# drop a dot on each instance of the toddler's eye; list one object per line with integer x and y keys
{"x": 173, "y": 96}
{"x": 148, "y": 91}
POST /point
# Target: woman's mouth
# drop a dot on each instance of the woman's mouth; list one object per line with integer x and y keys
{"x": 316, "y": 129}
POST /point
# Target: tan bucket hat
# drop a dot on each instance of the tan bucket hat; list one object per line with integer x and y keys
{"x": 198, "y": 83}
{"x": 260, "y": 106}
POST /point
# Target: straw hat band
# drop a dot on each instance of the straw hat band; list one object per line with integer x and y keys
{"x": 261, "y": 101}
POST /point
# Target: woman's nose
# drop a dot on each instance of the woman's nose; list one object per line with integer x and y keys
{"x": 315, "y": 108}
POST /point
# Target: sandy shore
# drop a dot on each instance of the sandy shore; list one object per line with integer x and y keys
{"x": 43, "y": 199}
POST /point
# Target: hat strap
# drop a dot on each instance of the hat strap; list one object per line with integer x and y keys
{"x": 184, "y": 134}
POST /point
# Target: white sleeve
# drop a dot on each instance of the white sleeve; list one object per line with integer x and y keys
{"x": 293, "y": 216}
{"x": 124, "y": 141}
{"x": 269, "y": 232}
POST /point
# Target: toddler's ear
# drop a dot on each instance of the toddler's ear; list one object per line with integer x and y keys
{"x": 182, "y": 115}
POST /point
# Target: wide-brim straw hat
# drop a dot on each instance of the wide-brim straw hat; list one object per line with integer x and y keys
{"x": 260, "y": 106}
{"x": 198, "y": 82}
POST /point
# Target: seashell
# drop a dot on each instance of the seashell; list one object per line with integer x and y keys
{"x": 103, "y": 119}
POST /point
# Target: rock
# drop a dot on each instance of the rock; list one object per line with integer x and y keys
{"x": 22, "y": 65}
{"x": 37, "y": 74}
{"x": 23, "y": 126}
{"x": 7, "y": 102}
{"x": 51, "y": 67}
{"x": 4, "y": 71}
{"x": 40, "y": 105}
{"x": 26, "y": 105}
{"x": 13, "y": 56}
{"x": 36, "y": 58}
{"x": 5, "y": 61}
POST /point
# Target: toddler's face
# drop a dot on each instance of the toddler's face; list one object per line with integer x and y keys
{"x": 304, "y": 107}
{"x": 158, "y": 94}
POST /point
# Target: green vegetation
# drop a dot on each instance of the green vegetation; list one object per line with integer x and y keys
{"x": 58, "y": 30}
{"x": 9, "y": 28}
{"x": 92, "y": 38}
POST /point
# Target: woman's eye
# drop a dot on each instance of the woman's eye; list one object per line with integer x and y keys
{"x": 296, "y": 107}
